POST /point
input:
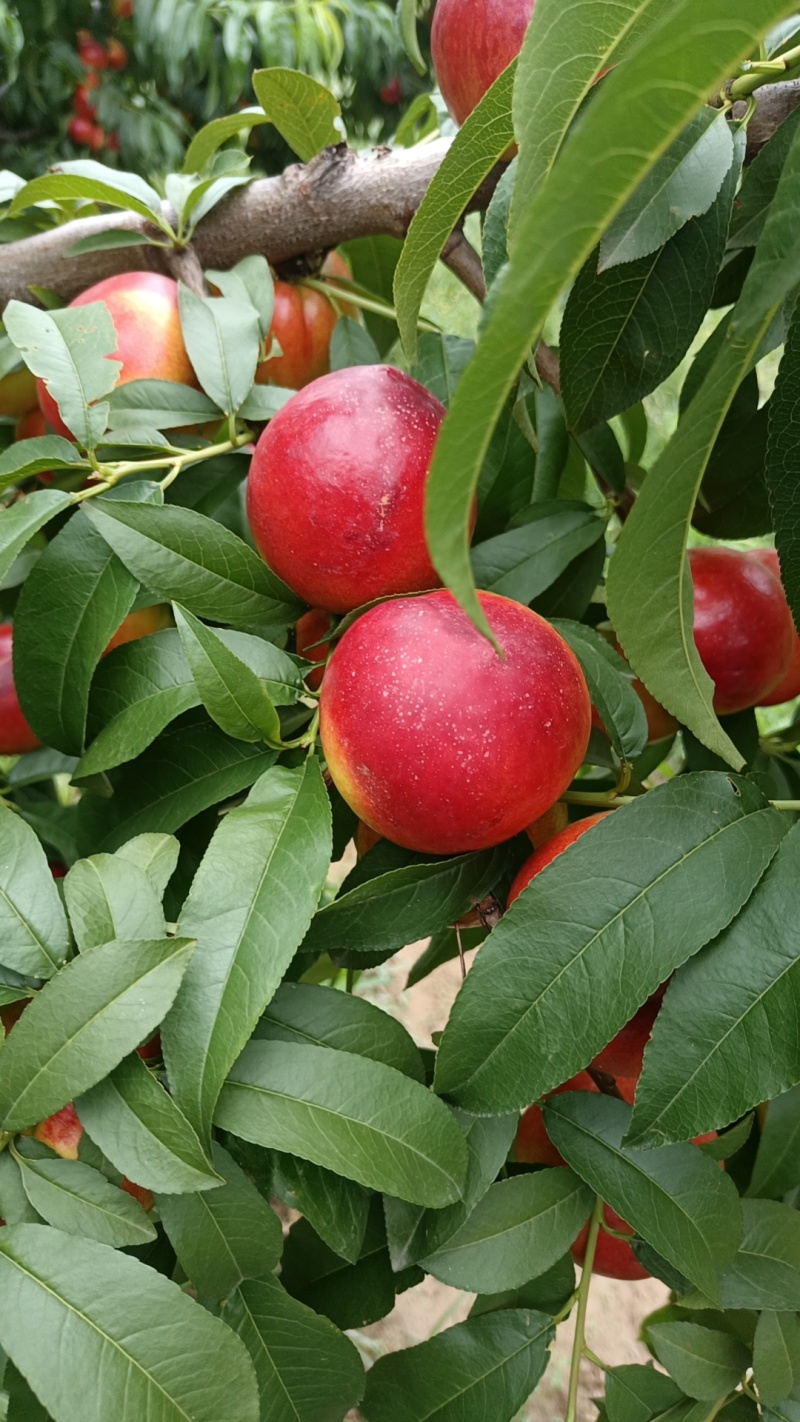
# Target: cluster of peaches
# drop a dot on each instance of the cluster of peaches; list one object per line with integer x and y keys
{"x": 83, "y": 127}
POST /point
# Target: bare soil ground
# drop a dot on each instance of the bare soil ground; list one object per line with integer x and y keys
{"x": 616, "y": 1309}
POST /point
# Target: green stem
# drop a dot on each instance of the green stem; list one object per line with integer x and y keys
{"x": 350, "y": 979}
{"x": 786, "y": 805}
{"x": 609, "y": 799}
{"x": 580, "y": 1318}
{"x": 6, "y": 1137}
{"x": 769, "y": 71}
{"x": 593, "y": 1358}
{"x": 366, "y": 303}
{"x": 566, "y": 1310}
{"x": 175, "y": 463}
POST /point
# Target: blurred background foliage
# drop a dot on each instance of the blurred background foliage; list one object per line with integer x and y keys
{"x": 173, "y": 65}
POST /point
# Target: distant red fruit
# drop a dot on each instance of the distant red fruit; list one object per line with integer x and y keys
{"x": 81, "y": 131}
{"x": 98, "y": 139}
{"x": 392, "y": 92}
{"x": 116, "y": 54}
{"x": 92, "y": 53}
{"x": 82, "y": 104}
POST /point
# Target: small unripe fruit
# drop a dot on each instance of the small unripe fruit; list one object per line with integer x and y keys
{"x": 436, "y": 741}
{"x": 16, "y": 736}
{"x": 740, "y": 627}
{"x": 789, "y": 686}
{"x": 144, "y": 309}
{"x": 472, "y": 42}
{"x": 336, "y": 490}
{"x": 549, "y": 851}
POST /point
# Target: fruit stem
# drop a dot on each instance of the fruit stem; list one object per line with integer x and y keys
{"x": 174, "y": 463}
{"x": 366, "y": 303}
{"x": 593, "y": 1358}
{"x": 580, "y": 1318}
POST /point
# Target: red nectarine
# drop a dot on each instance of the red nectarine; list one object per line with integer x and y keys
{"x": 472, "y": 42}
{"x": 436, "y": 741}
{"x": 741, "y": 630}
{"x": 789, "y": 686}
{"x": 16, "y": 736}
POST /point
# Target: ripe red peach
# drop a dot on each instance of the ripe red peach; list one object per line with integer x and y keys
{"x": 436, "y": 741}
{"x": 549, "y": 851}
{"x": 144, "y": 309}
{"x": 302, "y": 324}
{"x": 16, "y": 736}
{"x": 533, "y": 1145}
{"x": 308, "y": 630}
{"x": 472, "y": 42}
{"x": 624, "y": 1054}
{"x": 741, "y": 631}
{"x": 613, "y": 1257}
{"x": 336, "y": 489}
{"x": 789, "y": 687}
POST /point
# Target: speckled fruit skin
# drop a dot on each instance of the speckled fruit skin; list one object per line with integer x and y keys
{"x": 16, "y": 736}
{"x": 302, "y": 323}
{"x": 336, "y": 489}
{"x": 624, "y": 1054}
{"x": 144, "y": 309}
{"x": 533, "y": 1146}
{"x": 549, "y": 851}
{"x": 740, "y": 627}
{"x": 437, "y": 742}
{"x": 789, "y": 686}
{"x": 472, "y": 42}
{"x": 613, "y": 1257}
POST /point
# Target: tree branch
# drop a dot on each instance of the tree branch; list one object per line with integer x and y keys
{"x": 775, "y": 103}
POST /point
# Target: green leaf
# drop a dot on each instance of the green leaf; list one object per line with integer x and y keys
{"x": 441, "y": 362}
{"x": 352, "y": 344}
{"x": 358, "y": 1117}
{"x": 760, "y": 184}
{"x": 231, "y": 693}
{"x": 766, "y": 1271}
{"x": 77, "y": 1199}
{"x": 776, "y": 1168}
{"x": 72, "y": 603}
{"x": 635, "y": 1393}
{"x": 677, "y": 1199}
{"x": 83, "y": 1022}
{"x": 306, "y": 1368}
{"x": 138, "y": 1126}
{"x": 337, "y": 1209}
{"x": 562, "y": 55}
{"x": 34, "y": 937}
{"x": 529, "y": 557}
{"x": 126, "y": 1326}
{"x": 264, "y": 401}
{"x": 181, "y": 556}
{"x": 518, "y": 1230}
{"x": 71, "y": 350}
{"x": 405, "y": 904}
{"x": 249, "y": 281}
{"x": 350, "y": 1295}
{"x": 714, "y": 1055}
{"x": 156, "y": 854}
{"x": 483, "y": 1369}
{"x": 481, "y": 140}
{"x": 373, "y": 261}
{"x": 626, "y": 330}
{"x": 192, "y": 766}
{"x": 225, "y": 1235}
{"x": 15, "y": 1206}
{"x": 85, "y": 178}
{"x": 106, "y": 241}
{"x": 782, "y": 467}
{"x": 302, "y": 109}
{"x": 548, "y": 1294}
{"x": 560, "y": 223}
{"x": 136, "y": 692}
{"x": 23, "y": 1405}
{"x": 19, "y": 522}
{"x": 776, "y": 1356}
{"x": 212, "y": 136}
{"x": 649, "y": 584}
{"x": 222, "y": 340}
{"x": 408, "y": 34}
{"x": 565, "y": 968}
{"x": 705, "y": 1363}
{"x": 108, "y": 898}
{"x": 494, "y": 247}
{"x": 33, "y": 456}
{"x": 683, "y": 184}
{"x": 325, "y": 1017}
{"x": 249, "y": 906}
{"x": 166, "y": 404}
{"x": 609, "y": 680}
